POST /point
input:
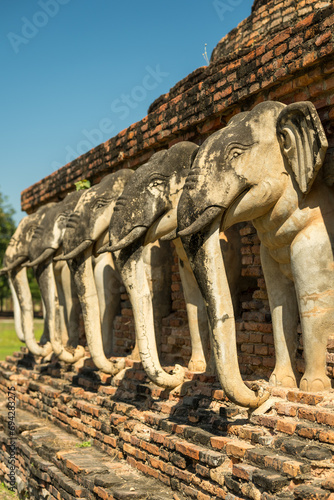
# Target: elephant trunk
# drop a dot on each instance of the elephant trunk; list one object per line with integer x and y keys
{"x": 17, "y": 311}
{"x": 206, "y": 259}
{"x": 42, "y": 257}
{"x": 76, "y": 251}
{"x": 21, "y": 286}
{"x": 46, "y": 281}
{"x": 132, "y": 236}
{"x": 131, "y": 266}
{"x": 17, "y": 262}
{"x": 82, "y": 270}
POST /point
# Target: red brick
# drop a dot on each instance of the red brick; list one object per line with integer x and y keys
{"x": 324, "y": 417}
{"x": 243, "y": 471}
{"x": 307, "y": 414}
{"x": 286, "y": 426}
{"x": 248, "y": 348}
{"x": 326, "y": 436}
{"x": 305, "y": 398}
{"x": 111, "y": 440}
{"x": 287, "y": 409}
{"x": 147, "y": 470}
{"x": 294, "y": 468}
{"x": 303, "y": 23}
{"x": 307, "y": 432}
{"x": 310, "y": 58}
{"x": 281, "y": 49}
{"x": 219, "y": 442}
{"x": 131, "y": 450}
{"x": 188, "y": 449}
{"x": 329, "y": 21}
{"x": 329, "y": 83}
{"x": 150, "y": 448}
{"x": 323, "y": 38}
{"x": 328, "y": 483}
{"x": 238, "y": 449}
{"x": 183, "y": 475}
{"x": 202, "y": 496}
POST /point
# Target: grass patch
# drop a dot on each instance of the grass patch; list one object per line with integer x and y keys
{"x": 6, "y": 493}
{"x": 9, "y": 342}
{"x": 84, "y": 444}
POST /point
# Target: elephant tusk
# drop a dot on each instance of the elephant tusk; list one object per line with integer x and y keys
{"x": 104, "y": 249}
{"x": 131, "y": 237}
{"x": 59, "y": 257}
{"x": 14, "y": 264}
{"x": 44, "y": 255}
{"x": 74, "y": 253}
{"x": 172, "y": 235}
{"x": 206, "y": 217}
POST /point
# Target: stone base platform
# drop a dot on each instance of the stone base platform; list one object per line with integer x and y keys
{"x": 196, "y": 443}
{"x": 53, "y": 464}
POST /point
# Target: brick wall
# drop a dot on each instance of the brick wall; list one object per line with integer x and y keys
{"x": 283, "y": 51}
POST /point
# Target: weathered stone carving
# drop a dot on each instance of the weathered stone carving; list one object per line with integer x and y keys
{"x": 97, "y": 282}
{"x": 62, "y": 308}
{"x": 263, "y": 167}
{"x": 17, "y": 253}
{"x": 145, "y": 212}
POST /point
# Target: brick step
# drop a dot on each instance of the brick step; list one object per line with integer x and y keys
{"x": 249, "y": 481}
{"x": 278, "y": 420}
{"x": 306, "y": 415}
{"x": 55, "y": 463}
{"x": 186, "y": 439}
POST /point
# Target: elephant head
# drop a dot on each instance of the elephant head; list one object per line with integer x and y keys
{"x": 45, "y": 242}
{"x": 261, "y": 164}
{"x": 145, "y": 212}
{"x": 17, "y": 253}
{"x": 96, "y": 281}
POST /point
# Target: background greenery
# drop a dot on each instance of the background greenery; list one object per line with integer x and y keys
{"x": 7, "y": 228}
{"x": 8, "y": 338}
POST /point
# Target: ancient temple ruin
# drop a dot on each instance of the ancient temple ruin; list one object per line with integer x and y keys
{"x": 189, "y": 435}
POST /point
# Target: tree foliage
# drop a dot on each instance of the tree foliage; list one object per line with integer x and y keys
{"x": 7, "y": 228}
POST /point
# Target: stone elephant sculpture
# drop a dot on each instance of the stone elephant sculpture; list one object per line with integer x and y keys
{"x": 16, "y": 254}
{"x": 263, "y": 167}
{"x": 97, "y": 283}
{"x": 62, "y": 308}
{"x": 145, "y": 212}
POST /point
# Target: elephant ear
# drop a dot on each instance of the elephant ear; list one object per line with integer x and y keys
{"x": 303, "y": 141}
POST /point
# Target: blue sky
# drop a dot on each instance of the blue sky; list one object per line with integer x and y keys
{"x": 76, "y": 72}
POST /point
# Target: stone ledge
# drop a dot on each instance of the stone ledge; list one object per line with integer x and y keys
{"x": 52, "y": 464}
{"x": 192, "y": 440}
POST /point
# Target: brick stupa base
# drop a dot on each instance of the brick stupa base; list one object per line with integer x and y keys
{"x": 196, "y": 443}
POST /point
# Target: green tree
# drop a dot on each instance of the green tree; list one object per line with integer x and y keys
{"x": 7, "y": 228}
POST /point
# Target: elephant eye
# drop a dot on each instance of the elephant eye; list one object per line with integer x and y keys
{"x": 156, "y": 182}
{"x": 234, "y": 153}
{"x": 234, "y": 150}
{"x": 62, "y": 218}
{"x": 31, "y": 230}
{"x": 100, "y": 204}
